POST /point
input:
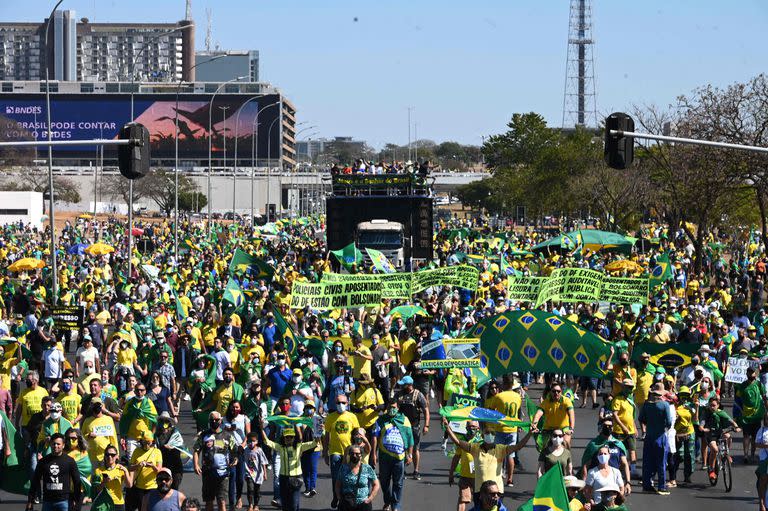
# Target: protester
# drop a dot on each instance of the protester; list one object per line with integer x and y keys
{"x": 356, "y": 483}
{"x": 59, "y": 478}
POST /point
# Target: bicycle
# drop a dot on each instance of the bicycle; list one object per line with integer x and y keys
{"x": 723, "y": 462}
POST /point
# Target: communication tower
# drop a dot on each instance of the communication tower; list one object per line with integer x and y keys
{"x": 579, "y": 98}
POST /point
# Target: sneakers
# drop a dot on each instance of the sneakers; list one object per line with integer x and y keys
{"x": 662, "y": 492}
{"x": 417, "y": 476}
{"x": 186, "y": 397}
{"x": 306, "y": 493}
{"x": 276, "y": 503}
{"x": 312, "y": 493}
{"x": 335, "y": 503}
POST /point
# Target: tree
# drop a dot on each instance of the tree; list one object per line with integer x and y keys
{"x": 118, "y": 188}
{"x": 192, "y": 201}
{"x": 161, "y": 188}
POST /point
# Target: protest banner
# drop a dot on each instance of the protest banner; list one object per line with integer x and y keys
{"x": 463, "y": 276}
{"x": 327, "y": 295}
{"x": 393, "y": 285}
{"x": 455, "y": 353}
{"x": 524, "y": 289}
{"x": 624, "y": 290}
{"x": 464, "y": 400}
{"x": 68, "y": 317}
{"x": 737, "y": 369}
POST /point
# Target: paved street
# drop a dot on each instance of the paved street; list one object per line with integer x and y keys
{"x": 433, "y": 492}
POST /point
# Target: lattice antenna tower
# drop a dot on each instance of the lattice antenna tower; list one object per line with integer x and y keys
{"x": 579, "y": 98}
{"x": 188, "y": 11}
{"x": 208, "y": 42}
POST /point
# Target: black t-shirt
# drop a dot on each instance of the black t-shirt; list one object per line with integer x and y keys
{"x": 35, "y": 424}
{"x": 56, "y": 475}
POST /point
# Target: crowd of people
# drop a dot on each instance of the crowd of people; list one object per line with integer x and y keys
{"x": 98, "y": 407}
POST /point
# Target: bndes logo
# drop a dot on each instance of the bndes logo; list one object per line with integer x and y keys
{"x": 33, "y": 110}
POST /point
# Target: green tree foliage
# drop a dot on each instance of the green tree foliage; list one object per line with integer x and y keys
{"x": 193, "y": 201}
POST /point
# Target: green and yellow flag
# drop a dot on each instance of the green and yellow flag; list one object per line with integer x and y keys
{"x": 137, "y": 409}
{"x": 661, "y": 272}
{"x": 15, "y": 477}
{"x": 550, "y": 493}
{"x": 348, "y": 256}
{"x": 380, "y": 261}
{"x": 286, "y": 332}
{"x": 103, "y": 502}
{"x": 254, "y": 267}
{"x": 233, "y": 294}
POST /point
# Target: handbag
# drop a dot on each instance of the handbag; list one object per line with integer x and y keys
{"x": 349, "y": 500}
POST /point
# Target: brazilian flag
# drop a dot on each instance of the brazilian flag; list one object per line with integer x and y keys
{"x": 15, "y": 477}
{"x": 254, "y": 267}
{"x": 284, "y": 420}
{"x": 348, "y": 256}
{"x": 662, "y": 272}
{"x": 668, "y": 355}
{"x": 286, "y": 332}
{"x": 233, "y": 294}
{"x": 134, "y": 410}
{"x": 103, "y": 502}
{"x": 550, "y": 493}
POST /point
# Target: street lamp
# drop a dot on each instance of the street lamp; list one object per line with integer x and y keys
{"x": 255, "y": 159}
{"x": 176, "y": 163}
{"x": 51, "y": 217}
{"x": 234, "y": 172}
{"x": 269, "y": 161}
{"x": 210, "y": 133}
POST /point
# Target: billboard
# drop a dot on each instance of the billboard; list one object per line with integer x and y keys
{"x": 87, "y": 116}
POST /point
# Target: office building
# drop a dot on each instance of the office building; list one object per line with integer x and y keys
{"x": 222, "y": 66}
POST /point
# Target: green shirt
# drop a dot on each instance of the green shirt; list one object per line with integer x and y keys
{"x": 290, "y": 456}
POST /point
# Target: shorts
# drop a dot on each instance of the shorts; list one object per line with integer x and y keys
{"x": 629, "y": 441}
{"x": 416, "y": 430}
{"x": 466, "y": 485}
{"x": 750, "y": 428}
{"x": 506, "y": 438}
{"x": 215, "y": 488}
{"x": 762, "y": 468}
{"x": 586, "y": 383}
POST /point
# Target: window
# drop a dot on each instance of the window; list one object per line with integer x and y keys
{"x": 13, "y": 211}
{"x": 7, "y": 87}
{"x": 86, "y": 87}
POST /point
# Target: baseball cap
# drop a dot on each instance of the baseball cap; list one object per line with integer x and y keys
{"x": 407, "y": 380}
{"x": 164, "y": 473}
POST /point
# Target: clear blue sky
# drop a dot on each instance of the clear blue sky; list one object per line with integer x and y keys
{"x": 466, "y": 67}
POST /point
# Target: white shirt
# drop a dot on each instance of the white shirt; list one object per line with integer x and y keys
{"x": 84, "y": 355}
{"x": 53, "y": 359}
{"x": 762, "y": 438}
{"x": 596, "y": 480}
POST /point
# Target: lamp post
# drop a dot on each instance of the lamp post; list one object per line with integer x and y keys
{"x": 254, "y": 159}
{"x": 269, "y": 160}
{"x": 296, "y": 136}
{"x": 130, "y": 182}
{"x": 234, "y": 172}
{"x": 51, "y": 216}
{"x": 305, "y": 201}
{"x": 176, "y": 163}
{"x": 210, "y": 133}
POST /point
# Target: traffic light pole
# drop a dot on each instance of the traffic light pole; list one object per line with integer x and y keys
{"x": 692, "y": 141}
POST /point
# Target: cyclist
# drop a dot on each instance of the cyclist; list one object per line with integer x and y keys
{"x": 557, "y": 411}
{"x": 714, "y": 422}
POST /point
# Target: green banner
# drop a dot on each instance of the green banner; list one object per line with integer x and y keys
{"x": 393, "y": 285}
{"x": 624, "y": 290}
{"x": 373, "y": 179}
{"x": 578, "y": 285}
{"x": 328, "y": 295}
{"x": 524, "y": 289}
{"x": 463, "y": 276}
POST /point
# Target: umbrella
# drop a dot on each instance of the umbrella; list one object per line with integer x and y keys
{"x": 98, "y": 249}
{"x": 77, "y": 249}
{"x": 26, "y": 264}
{"x": 534, "y": 340}
{"x": 408, "y": 311}
{"x": 137, "y": 232}
{"x": 624, "y": 265}
{"x": 591, "y": 239}
{"x": 85, "y": 216}
{"x": 518, "y": 254}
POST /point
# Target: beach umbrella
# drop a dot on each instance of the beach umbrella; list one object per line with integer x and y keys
{"x": 408, "y": 311}
{"x": 538, "y": 341}
{"x": 98, "y": 249}
{"x": 137, "y": 232}
{"x": 77, "y": 249}
{"x": 26, "y": 264}
{"x": 623, "y": 265}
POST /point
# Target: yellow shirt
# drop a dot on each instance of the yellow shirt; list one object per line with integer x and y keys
{"x": 222, "y": 397}
{"x": 5, "y": 371}
{"x": 466, "y": 463}
{"x": 105, "y": 434}
{"x": 31, "y": 402}
{"x": 114, "y": 485}
{"x": 684, "y": 421}
{"x": 407, "y": 351}
{"x": 140, "y": 424}
{"x": 642, "y": 387}
{"x": 126, "y": 357}
{"x": 360, "y": 365}
{"x": 339, "y": 427}
{"x": 70, "y": 405}
{"x": 209, "y": 333}
{"x": 507, "y": 402}
{"x": 368, "y": 397}
{"x": 556, "y": 413}
{"x": 488, "y": 464}
{"x": 625, "y": 411}
{"x": 620, "y": 373}
{"x": 145, "y": 476}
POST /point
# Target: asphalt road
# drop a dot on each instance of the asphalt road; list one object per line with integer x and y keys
{"x": 433, "y": 492}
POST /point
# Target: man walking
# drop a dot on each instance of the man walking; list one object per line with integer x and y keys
{"x": 59, "y": 477}
{"x": 395, "y": 451}
{"x": 657, "y": 418}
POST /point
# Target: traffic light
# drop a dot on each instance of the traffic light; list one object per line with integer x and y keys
{"x": 619, "y": 149}
{"x": 133, "y": 159}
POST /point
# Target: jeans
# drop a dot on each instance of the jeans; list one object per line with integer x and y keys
{"x": 655, "y": 461}
{"x": 336, "y": 460}
{"x": 61, "y": 505}
{"x": 289, "y": 499}
{"x": 309, "y": 462}
{"x": 392, "y": 477}
{"x": 276, "y": 477}
{"x": 236, "y": 479}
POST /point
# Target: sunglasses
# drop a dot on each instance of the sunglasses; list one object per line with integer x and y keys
{"x": 556, "y": 391}
{"x": 110, "y": 454}
{"x": 494, "y": 494}
{"x": 558, "y": 436}
{"x": 141, "y": 390}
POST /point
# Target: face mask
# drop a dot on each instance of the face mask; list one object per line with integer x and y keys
{"x": 296, "y": 379}
{"x": 309, "y": 412}
{"x": 603, "y": 458}
{"x": 88, "y": 370}
{"x": 254, "y": 342}
{"x": 393, "y": 411}
{"x": 281, "y": 362}
{"x": 337, "y": 349}
{"x": 55, "y": 415}
{"x": 341, "y": 408}
{"x": 488, "y": 438}
{"x": 66, "y": 387}
{"x": 704, "y": 386}
{"x": 215, "y": 424}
